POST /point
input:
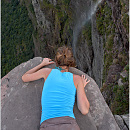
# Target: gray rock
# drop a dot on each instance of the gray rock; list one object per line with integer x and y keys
{"x": 126, "y": 119}
{"x": 54, "y": 2}
{"x": 120, "y": 122}
{"x": 124, "y": 74}
{"x": 97, "y": 44}
{"x": 40, "y": 16}
{"x": 21, "y": 102}
{"x": 120, "y": 82}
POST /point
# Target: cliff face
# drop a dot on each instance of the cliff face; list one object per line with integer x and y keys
{"x": 53, "y": 25}
{"x": 98, "y": 34}
{"x": 112, "y": 26}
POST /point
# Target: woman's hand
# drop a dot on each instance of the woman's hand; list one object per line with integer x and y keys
{"x": 47, "y": 61}
{"x": 85, "y": 82}
{"x": 36, "y": 72}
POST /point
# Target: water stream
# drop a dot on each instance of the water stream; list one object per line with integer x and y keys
{"x": 83, "y": 12}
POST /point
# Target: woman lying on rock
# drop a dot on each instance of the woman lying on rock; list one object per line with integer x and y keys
{"x": 58, "y": 95}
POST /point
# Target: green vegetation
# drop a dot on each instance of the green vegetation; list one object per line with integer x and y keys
{"x": 127, "y": 68}
{"x": 66, "y": 2}
{"x": 120, "y": 95}
{"x": 46, "y": 4}
{"x": 117, "y": 96}
{"x": 108, "y": 60}
{"x": 109, "y": 42}
{"x": 106, "y": 28}
{"x": 17, "y": 43}
{"x": 104, "y": 20}
{"x": 125, "y": 14}
{"x": 120, "y": 104}
{"x": 122, "y": 56}
{"x": 61, "y": 18}
{"x": 31, "y": 8}
{"x": 86, "y": 32}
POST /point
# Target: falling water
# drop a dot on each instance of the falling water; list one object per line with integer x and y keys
{"x": 83, "y": 14}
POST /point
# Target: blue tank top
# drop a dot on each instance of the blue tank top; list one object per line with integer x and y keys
{"x": 58, "y": 95}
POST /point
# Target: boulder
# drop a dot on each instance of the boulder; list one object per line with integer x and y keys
{"x": 126, "y": 119}
{"x": 123, "y": 121}
{"x": 21, "y": 102}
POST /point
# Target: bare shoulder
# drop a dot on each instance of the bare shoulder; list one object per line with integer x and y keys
{"x": 46, "y": 72}
{"x": 77, "y": 79}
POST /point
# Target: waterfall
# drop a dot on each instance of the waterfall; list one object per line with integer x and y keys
{"x": 83, "y": 11}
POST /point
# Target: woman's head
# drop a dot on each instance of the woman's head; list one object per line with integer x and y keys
{"x": 64, "y": 57}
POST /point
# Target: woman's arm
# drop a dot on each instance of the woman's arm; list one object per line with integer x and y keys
{"x": 82, "y": 101}
{"x": 36, "y": 72}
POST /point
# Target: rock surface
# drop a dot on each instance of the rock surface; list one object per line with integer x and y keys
{"x": 21, "y": 102}
{"x": 98, "y": 61}
{"x": 126, "y": 119}
{"x": 123, "y": 121}
{"x": 41, "y": 20}
{"x": 120, "y": 82}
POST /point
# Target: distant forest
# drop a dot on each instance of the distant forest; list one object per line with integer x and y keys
{"x": 16, "y": 36}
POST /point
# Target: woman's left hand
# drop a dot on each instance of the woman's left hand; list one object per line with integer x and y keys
{"x": 47, "y": 61}
{"x": 85, "y": 82}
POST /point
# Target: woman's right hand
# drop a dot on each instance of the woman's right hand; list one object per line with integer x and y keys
{"x": 85, "y": 82}
{"x": 47, "y": 61}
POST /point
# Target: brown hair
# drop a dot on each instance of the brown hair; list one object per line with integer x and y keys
{"x": 64, "y": 57}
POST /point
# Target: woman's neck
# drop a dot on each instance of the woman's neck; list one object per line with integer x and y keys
{"x": 66, "y": 68}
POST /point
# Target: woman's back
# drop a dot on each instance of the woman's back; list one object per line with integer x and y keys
{"x": 59, "y": 91}
{"x": 58, "y": 95}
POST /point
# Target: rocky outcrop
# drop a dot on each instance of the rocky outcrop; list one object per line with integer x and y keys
{"x": 98, "y": 61}
{"x": 123, "y": 75}
{"x": 21, "y": 106}
{"x": 44, "y": 26}
{"x": 123, "y": 121}
{"x": 40, "y": 17}
{"x": 118, "y": 19}
{"x": 54, "y": 2}
{"x": 111, "y": 24}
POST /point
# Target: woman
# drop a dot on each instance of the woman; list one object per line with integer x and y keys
{"x": 58, "y": 95}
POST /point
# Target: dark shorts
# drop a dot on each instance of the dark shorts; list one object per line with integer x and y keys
{"x": 60, "y": 123}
